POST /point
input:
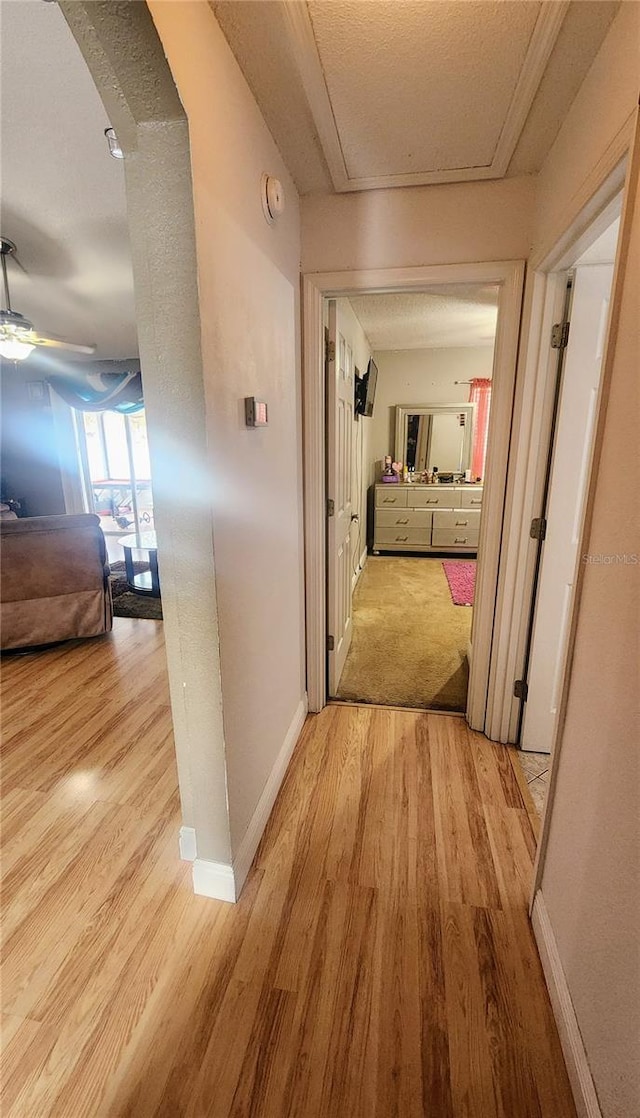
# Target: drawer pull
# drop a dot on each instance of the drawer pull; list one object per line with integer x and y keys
{"x": 461, "y": 523}
{"x": 459, "y": 540}
{"x": 433, "y": 500}
{"x": 390, "y": 500}
{"x": 476, "y": 500}
{"x": 401, "y": 539}
{"x": 406, "y": 521}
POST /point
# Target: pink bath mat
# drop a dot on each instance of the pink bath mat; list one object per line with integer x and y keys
{"x": 461, "y": 577}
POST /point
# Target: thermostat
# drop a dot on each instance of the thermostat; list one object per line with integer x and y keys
{"x": 255, "y": 412}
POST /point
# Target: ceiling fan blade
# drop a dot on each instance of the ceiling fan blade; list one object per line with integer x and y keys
{"x": 58, "y": 343}
{"x": 19, "y": 264}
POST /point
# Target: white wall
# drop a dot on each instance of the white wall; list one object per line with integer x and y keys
{"x": 590, "y": 870}
{"x": 31, "y": 455}
{"x": 421, "y": 376}
{"x": 248, "y": 276}
{"x": 420, "y": 225}
{"x": 607, "y": 97}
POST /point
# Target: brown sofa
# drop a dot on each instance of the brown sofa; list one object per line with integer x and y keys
{"x": 54, "y": 583}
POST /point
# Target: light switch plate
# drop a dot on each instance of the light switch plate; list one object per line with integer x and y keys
{"x": 255, "y": 412}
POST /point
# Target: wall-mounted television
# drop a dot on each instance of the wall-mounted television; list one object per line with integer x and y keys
{"x": 365, "y": 392}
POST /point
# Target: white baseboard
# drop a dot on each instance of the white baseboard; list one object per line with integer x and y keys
{"x": 253, "y": 834}
{"x": 223, "y": 882}
{"x": 575, "y": 1056}
{"x": 361, "y": 564}
{"x": 187, "y": 842}
{"x": 214, "y": 879}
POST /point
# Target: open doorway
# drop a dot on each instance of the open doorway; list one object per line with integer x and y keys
{"x": 409, "y": 384}
{"x": 580, "y": 341}
{"x": 490, "y": 593}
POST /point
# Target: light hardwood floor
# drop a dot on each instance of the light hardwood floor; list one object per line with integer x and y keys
{"x": 379, "y": 963}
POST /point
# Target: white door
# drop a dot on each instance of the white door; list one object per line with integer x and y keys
{"x": 567, "y": 494}
{"x": 340, "y": 390}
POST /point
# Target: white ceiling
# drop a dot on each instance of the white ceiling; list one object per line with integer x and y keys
{"x": 63, "y": 200}
{"x": 398, "y": 92}
{"x": 395, "y": 84}
{"x": 440, "y": 318}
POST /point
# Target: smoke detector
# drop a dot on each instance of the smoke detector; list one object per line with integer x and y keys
{"x": 272, "y": 198}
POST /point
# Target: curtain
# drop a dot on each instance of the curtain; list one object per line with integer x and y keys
{"x": 121, "y": 392}
{"x": 480, "y": 395}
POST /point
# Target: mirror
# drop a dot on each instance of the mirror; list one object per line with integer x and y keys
{"x": 440, "y": 436}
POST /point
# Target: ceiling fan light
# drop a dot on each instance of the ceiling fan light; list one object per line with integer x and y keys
{"x": 12, "y": 349}
{"x": 114, "y": 146}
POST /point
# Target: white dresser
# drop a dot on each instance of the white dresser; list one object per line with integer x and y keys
{"x": 426, "y": 517}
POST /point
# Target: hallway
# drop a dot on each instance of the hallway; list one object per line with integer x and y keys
{"x": 380, "y": 960}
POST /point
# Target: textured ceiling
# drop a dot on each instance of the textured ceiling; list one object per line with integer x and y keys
{"x": 398, "y": 75}
{"x": 63, "y": 200}
{"x": 441, "y": 318}
{"x": 360, "y": 94}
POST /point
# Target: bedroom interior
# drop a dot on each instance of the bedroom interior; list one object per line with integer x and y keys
{"x": 417, "y": 465}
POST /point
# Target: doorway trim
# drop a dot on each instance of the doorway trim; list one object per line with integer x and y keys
{"x": 509, "y": 276}
{"x": 591, "y": 209}
{"x": 621, "y": 182}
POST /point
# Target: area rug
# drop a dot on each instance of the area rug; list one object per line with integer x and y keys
{"x": 409, "y": 643}
{"x": 461, "y": 577}
{"x": 125, "y": 602}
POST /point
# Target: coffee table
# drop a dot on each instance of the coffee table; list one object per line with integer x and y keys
{"x": 147, "y": 582}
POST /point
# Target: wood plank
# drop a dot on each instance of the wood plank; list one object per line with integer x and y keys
{"x": 467, "y": 872}
{"x": 380, "y": 961}
{"x": 527, "y": 799}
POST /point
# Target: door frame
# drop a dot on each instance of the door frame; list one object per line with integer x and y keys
{"x": 509, "y": 276}
{"x": 591, "y": 209}
{"x": 615, "y": 180}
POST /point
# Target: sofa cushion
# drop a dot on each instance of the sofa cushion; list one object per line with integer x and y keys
{"x": 54, "y": 580}
{"x": 47, "y": 556}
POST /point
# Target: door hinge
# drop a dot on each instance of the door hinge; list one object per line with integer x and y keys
{"x": 521, "y": 689}
{"x": 538, "y": 529}
{"x": 331, "y": 507}
{"x": 330, "y": 644}
{"x": 330, "y": 350}
{"x": 559, "y": 335}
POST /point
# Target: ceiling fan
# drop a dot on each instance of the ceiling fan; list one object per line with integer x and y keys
{"x": 17, "y": 336}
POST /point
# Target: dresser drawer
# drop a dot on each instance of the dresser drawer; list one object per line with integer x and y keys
{"x": 447, "y": 538}
{"x": 391, "y": 497}
{"x": 403, "y": 518}
{"x": 402, "y": 537}
{"x": 471, "y": 498}
{"x": 433, "y": 497}
{"x": 461, "y": 520}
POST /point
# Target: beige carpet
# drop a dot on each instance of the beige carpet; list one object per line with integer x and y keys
{"x": 409, "y": 645}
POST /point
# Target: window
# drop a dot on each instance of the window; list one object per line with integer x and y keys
{"x": 115, "y": 455}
